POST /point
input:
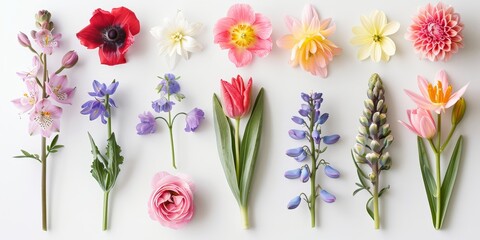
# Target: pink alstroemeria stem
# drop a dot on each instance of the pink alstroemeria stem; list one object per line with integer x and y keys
{"x": 44, "y": 152}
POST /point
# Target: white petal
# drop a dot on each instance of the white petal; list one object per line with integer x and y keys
{"x": 364, "y": 52}
{"x": 390, "y": 28}
{"x": 157, "y": 32}
{"x": 193, "y": 29}
{"x": 191, "y": 45}
{"x": 376, "y": 53}
{"x": 172, "y": 61}
{"x": 388, "y": 46}
{"x": 361, "y": 40}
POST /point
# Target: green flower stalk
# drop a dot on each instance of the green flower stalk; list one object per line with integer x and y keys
{"x": 374, "y": 137}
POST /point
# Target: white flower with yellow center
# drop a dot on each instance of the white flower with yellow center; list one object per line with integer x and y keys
{"x": 372, "y": 37}
{"x": 175, "y": 38}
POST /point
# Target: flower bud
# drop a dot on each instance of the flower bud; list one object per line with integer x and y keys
{"x": 360, "y": 139}
{"x": 373, "y": 129}
{"x": 376, "y": 117}
{"x": 305, "y": 97}
{"x": 295, "y": 152}
{"x": 363, "y": 130}
{"x": 327, "y": 197}
{"x": 301, "y": 157}
{"x": 385, "y": 130}
{"x": 369, "y": 104}
{"x": 323, "y": 118}
{"x": 458, "y": 111}
{"x": 298, "y": 120}
{"x": 293, "y": 174}
{"x": 359, "y": 149}
{"x": 69, "y": 59}
{"x": 372, "y": 157}
{"x": 294, "y": 202}
{"x": 375, "y": 146}
{"x": 385, "y": 161}
{"x": 373, "y": 177}
{"x": 367, "y": 113}
{"x": 364, "y": 121}
{"x": 23, "y": 40}
{"x": 297, "y": 134}
{"x": 359, "y": 158}
{"x": 388, "y": 140}
{"x": 42, "y": 19}
{"x": 331, "y": 172}
{"x": 305, "y": 173}
{"x": 380, "y": 105}
{"x": 331, "y": 139}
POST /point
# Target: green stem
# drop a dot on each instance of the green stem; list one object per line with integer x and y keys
{"x": 376, "y": 215}
{"x": 44, "y": 153}
{"x": 109, "y": 119}
{"x": 44, "y": 184}
{"x": 172, "y": 145}
{"x": 313, "y": 173}
{"x": 437, "y": 168}
{"x": 237, "y": 148}
{"x": 105, "y": 210}
{"x": 244, "y": 211}
{"x": 448, "y": 138}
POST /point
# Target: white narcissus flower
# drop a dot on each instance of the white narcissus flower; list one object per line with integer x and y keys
{"x": 372, "y": 37}
{"x": 175, "y": 38}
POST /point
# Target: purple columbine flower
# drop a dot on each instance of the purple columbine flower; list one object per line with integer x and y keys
{"x": 172, "y": 88}
{"x": 331, "y": 139}
{"x": 293, "y": 174}
{"x": 301, "y": 157}
{"x": 147, "y": 124}
{"x": 101, "y": 89}
{"x": 294, "y": 202}
{"x": 327, "y": 197}
{"x": 193, "y": 119}
{"x": 295, "y": 152}
{"x": 331, "y": 172}
{"x": 297, "y": 134}
{"x": 162, "y": 105}
{"x": 298, "y": 120}
{"x": 305, "y": 174}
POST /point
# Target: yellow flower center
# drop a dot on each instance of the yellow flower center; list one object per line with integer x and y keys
{"x": 377, "y": 38}
{"x": 177, "y": 37}
{"x": 45, "y": 114}
{"x": 242, "y": 35}
{"x": 436, "y": 94}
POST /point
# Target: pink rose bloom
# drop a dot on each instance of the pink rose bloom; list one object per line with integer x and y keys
{"x": 171, "y": 202}
{"x": 245, "y": 33}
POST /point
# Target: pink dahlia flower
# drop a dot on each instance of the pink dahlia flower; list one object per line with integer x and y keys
{"x": 436, "y": 32}
{"x": 245, "y": 33}
{"x": 171, "y": 202}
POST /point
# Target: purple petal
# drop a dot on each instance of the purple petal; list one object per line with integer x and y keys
{"x": 327, "y": 197}
{"x": 112, "y": 88}
{"x": 305, "y": 174}
{"x": 112, "y": 102}
{"x": 301, "y": 157}
{"x": 297, "y": 134}
{"x": 294, "y": 202}
{"x": 298, "y": 120}
{"x": 193, "y": 119}
{"x": 293, "y": 174}
{"x": 305, "y": 97}
{"x": 323, "y": 118}
{"x": 295, "y": 152}
{"x": 332, "y": 139}
{"x": 331, "y": 172}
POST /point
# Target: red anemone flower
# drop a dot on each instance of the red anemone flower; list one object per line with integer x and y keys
{"x": 112, "y": 33}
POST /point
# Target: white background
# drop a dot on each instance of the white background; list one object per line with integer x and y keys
{"x": 75, "y": 199}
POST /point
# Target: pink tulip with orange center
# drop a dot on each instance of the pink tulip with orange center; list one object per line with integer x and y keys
{"x": 309, "y": 43}
{"x": 436, "y": 97}
{"x": 245, "y": 33}
{"x": 236, "y": 97}
{"x": 421, "y": 123}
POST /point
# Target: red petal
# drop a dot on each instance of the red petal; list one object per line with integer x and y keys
{"x": 125, "y": 17}
{"x": 246, "y": 96}
{"x": 111, "y": 57}
{"x": 129, "y": 40}
{"x": 101, "y": 19}
{"x": 90, "y": 37}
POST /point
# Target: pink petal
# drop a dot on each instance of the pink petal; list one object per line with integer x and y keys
{"x": 242, "y": 13}
{"x": 308, "y": 14}
{"x": 420, "y": 101}
{"x": 291, "y": 23}
{"x": 223, "y": 39}
{"x": 286, "y": 41}
{"x": 240, "y": 57}
{"x": 456, "y": 96}
{"x": 409, "y": 127}
{"x": 442, "y": 76}
{"x": 158, "y": 177}
{"x": 223, "y": 25}
{"x": 262, "y": 47}
{"x": 262, "y": 26}
{"x": 423, "y": 86}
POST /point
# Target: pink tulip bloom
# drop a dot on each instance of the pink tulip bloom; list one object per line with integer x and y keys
{"x": 45, "y": 118}
{"x": 421, "y": 123}
{"x": 245, "y": 33}
{"x": 171, "y": 202}
{"x": 33, "y": 72}
{"x": 436, "y": 97}
{"x": 30, "y": 98}
{"x": 236, "y": 97}
{"x": 308, "y": 42}
{"x": 58, "y": 90}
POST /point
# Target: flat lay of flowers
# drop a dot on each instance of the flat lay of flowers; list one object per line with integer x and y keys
{"x": 267, "y": 135}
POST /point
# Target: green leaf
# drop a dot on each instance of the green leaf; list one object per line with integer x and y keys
{"x": 250, "y": 145}
{"x": 224, "y": 136}
{"x": 361, "y": 176}
{"x": 28, "y": 155}
{"x": 426, "y": 171}
{"x": 358, "y": 190}
{"x": 114, "y": 161}
{"x": 98, "y": 165}
{"x": 369, "y": 207}
{"x": 450, "y": 176}
{"x": 383, "y": 190}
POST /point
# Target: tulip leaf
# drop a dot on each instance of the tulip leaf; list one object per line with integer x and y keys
{"x": 250, "y": 146}
{"x": 426, "y": 175}
{"x": 450, "y": 176}
{"x": 225, "y": 146}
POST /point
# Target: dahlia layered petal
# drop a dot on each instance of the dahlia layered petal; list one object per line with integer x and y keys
{"x": 436, "y": 32}
{"x": 308, "y": 42}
